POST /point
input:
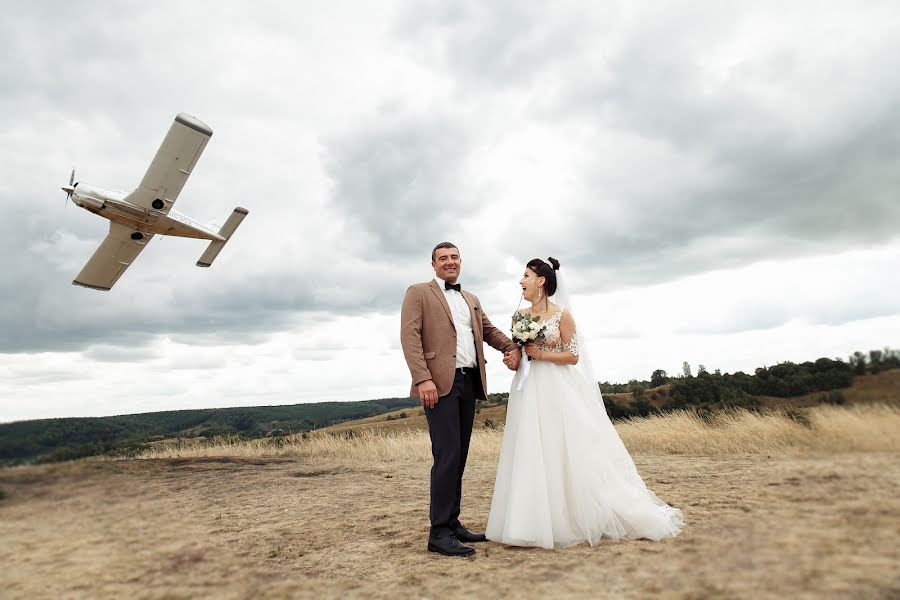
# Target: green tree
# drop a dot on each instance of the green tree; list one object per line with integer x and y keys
{"x": 875, "y": 358}
{"x": 658, "y": 378}
{"x": 891, "y": 359}
{"x": 244, "y": 422}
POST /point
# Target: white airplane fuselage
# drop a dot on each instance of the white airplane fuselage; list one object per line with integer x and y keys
{"x": 111, "y": 205}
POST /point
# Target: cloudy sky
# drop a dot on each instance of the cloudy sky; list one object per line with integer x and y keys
{"x": 718, "y": 180}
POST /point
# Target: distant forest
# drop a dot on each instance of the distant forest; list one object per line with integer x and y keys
{"x": 707, "y": 391}
{"x": 717, "y": 390}
{"x": 48, "y": 440}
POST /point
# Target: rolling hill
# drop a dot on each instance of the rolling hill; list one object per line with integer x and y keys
{"x": 47, "y": 440}
{"x": 883, "y": 387}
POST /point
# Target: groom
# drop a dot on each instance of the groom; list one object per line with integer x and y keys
{"x": 442, "y": 331}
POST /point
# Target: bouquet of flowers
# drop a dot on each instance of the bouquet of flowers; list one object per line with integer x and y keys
{"x": 527, "y": 329}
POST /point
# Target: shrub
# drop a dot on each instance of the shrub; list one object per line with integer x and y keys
{"x": 642, "y": 408}
{"x": 834, "y": 397}
{"x": 615, "y": 410}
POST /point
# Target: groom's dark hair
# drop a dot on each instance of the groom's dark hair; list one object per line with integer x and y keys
{"x": 443, "y": 245}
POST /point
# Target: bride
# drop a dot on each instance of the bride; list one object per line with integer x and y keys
{"x": 564, "y": 476}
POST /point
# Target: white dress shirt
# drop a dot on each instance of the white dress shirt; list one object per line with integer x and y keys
{"x": 462, "y": 321}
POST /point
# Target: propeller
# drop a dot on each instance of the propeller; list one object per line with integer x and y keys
{"x": 68, "y": 189}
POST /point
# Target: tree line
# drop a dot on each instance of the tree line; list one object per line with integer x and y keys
{"x": 48, "y": 440}
{"x": 713, "y": 391}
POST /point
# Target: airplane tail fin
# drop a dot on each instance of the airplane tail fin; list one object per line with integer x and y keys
{"x": 228, "y": 229}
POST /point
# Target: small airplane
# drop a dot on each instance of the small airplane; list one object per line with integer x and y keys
{"x": 136, "y": 217}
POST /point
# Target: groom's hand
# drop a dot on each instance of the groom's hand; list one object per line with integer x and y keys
{"x": 428, "y": 393}
{"x": 511, "y": 359}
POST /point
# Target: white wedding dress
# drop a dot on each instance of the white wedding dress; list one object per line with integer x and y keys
{"x": 564, "y": 475}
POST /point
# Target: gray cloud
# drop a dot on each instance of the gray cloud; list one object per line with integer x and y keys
{"x": 499, "y": 44}
{"x": 28, "y": 377}
{"x": 679, "y": 175}
{"x": 790, "y": 152}
{"x": 677, "y": 140}
{"x": 400, "y": 179}
{"x": 82, "y": 84}
{"x": 114, "y": 354}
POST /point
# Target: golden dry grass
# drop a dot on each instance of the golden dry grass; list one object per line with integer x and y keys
{"x": 415, "y": 420}
{"x": 803, "y": 526}
{"x": 775, "y": 507}
{"x": 880, "y": 388}
{"x": 870, "y": 427}
{"x": 364, "y": 446}
{"x": 799, "y": 504}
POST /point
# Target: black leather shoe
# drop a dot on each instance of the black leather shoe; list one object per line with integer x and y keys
{"x": 469, "y": 537}
{"x": 449, "y": 546}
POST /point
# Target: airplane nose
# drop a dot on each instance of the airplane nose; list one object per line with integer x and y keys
{"x": 68, "y": 189}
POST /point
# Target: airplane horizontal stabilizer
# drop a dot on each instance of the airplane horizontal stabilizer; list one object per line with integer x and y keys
{"x": 212, "y": 251}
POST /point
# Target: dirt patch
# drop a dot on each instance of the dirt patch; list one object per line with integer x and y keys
{"x": 756, "y": 526}
{"x": 318, "y": 472}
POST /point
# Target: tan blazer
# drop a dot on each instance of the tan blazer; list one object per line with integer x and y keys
{"x": 428, "y": 337}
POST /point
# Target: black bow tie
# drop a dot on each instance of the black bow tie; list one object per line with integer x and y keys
{"x": 453, "y": 286}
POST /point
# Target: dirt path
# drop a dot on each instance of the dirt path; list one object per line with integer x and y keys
{"x": 233, "y": 528}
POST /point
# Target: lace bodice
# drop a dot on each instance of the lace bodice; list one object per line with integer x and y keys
{"x": 552, "y": 340}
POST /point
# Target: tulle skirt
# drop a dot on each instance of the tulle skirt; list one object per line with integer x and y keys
{"x": 564, "y": 476}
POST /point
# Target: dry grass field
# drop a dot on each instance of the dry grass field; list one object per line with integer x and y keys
{"x": 775, "y": 507}
{"x": 881, "y": 388}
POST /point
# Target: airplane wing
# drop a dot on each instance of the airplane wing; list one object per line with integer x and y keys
{"x": 115, "y": 254}
{"x": 173, "y": 163}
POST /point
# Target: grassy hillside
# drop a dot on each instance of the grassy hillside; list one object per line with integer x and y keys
{"x": 865, "y": 378}
{"x": 881, "y": 388}
{"x": 61, "y": 439}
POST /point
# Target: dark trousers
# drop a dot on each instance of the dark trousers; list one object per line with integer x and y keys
{"x": 450, "y": 428}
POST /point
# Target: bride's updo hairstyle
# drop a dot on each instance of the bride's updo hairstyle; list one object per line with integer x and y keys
{"x": 546, "y": 271}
